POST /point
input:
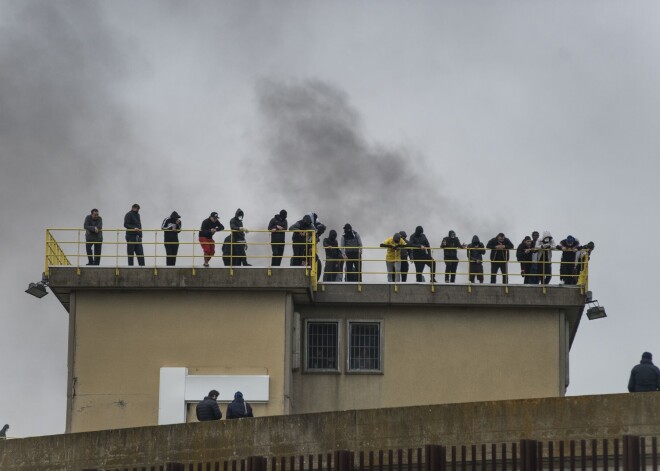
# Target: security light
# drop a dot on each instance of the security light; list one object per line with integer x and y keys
{"x": 595, "y": 311}
{"x": 38, "y": 290}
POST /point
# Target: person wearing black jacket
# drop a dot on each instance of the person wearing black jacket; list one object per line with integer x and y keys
{"x": 210, "y": 226}
{"x": 524, "y": 254}
{"x": 450, "y": 244}
{"x": 299, "y": 239}
{"x": 172, "y": 226}
{"x": 93, "y": 237}
{"x": 133, "y": 223}
{"x": 332, "y": 257}
{"x": 499, "y": 256}
{"x": 208, "y": 409}
{"x": 569, "y": 250}
{"x": 644, "y": 377}
{"x": 238, "y": 408}
{"x": 238, "y": 244}
{"x": 420, "y": 253}
{"x": 475, "y": 255}
{"x": 277, "y": 226}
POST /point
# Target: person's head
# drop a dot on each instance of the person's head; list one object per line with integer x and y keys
{"x": 396, "y": 238}
{"x": 452, "y": 235}
{"x": 500, "y": 237}
{"x": 283, "y": 214}
{"x": 419, "y": 230}
{"x": 570, "y": 240}
{"x": 332, "y": 235}
{"x": 307, "y": 220}
{"x": 403, "y": 234}
{"x": 590, "y": 246}
{"x": 347, "y": 228}
{"x": 238, "y": 395}
{"x": 239, "y": 214}
{"x": 475, "y": 240}
{"x": 535, "y": 235}
{"x": 135, "y": 208}
{"x": 175, "y": 215}
{"x": 213, "y": 217}
{"x": 95, "y": 213}
{"x": 213, "y": 394}
{"x": 647, "y": 356}
{"x": 528, "y": 241}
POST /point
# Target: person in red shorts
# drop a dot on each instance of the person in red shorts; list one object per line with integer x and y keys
{"x": 210, "y": 226}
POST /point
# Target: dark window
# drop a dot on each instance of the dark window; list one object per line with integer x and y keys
{"x": 364, "y": 346}
{"x": 322, "y": 345}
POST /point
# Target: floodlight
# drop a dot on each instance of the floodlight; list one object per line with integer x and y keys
{"x": 595, "y": 311}
{"x": 38, "y": 290}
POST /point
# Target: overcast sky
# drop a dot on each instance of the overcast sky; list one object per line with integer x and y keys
{"x": 480, "y": 117}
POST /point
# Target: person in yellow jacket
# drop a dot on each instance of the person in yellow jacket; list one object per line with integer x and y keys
{"x": 393, "y": 256}
{"x": 582, "y": 265}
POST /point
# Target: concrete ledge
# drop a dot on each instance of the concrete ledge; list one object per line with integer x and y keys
{"x": 556, "y": 419}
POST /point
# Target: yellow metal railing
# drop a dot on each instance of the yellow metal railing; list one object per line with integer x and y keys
{"x": 67, "y": 247}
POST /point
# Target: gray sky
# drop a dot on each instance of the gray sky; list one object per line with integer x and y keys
{"x": 482, "y": 117}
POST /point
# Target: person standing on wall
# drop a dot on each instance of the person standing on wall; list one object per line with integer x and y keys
{"x": 93, "y": 237}
{"x": 351, "y": 249}
{"x": 645, "y": 376}
{"x": 208, "y": 409}
{"x": 277, "y": 227}
{"x": 210, "y": 226}
{"x": 172, "y": 226}
{"x": 238, "y": 243}
{"x": 499, "y": 257}
{"x": 133, "y": 224}
{"x": 475, "y": 255}
{"x": 450, "y": 244}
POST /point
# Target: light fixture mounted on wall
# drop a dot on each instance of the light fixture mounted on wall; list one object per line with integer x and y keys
{"x": 38, "y": 289}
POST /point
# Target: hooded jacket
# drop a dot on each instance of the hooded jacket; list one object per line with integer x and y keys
{"x": 132, "y": 221}
{"x": 351, "y": 242}
{"x": 330, "y": 244}
{"x": 171, "y": 227}
{"x": 305, "y": 224}
{"x": 236, "y": 226}
{"x": 499, "y": 255}
{"x": 521, "y": 256}
{"x": 545, "y": 244}
{"x": 207, "y": 225}
{"x": 277, "y": 235}
{"x": 238, "y": 408}
{"x": 417, "y": 240}
{"x": 568, "y": 255}
{"x": 449, "y": 244}
{"x": 476, "y": 250}
{"x": 644, "y": 377}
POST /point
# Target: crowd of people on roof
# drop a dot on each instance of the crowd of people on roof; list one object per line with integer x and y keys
{"x": 343, "y": 256}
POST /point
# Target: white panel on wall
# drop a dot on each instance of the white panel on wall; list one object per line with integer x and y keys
{"x": 171, "y": 405}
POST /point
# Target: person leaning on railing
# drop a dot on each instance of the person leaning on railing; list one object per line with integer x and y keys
{"x": 299, "y": 240}
{"x": 499, "y": 257}
{"x": 238, "y": 242}
{"x": 524, "y": 256}
{"x": 332, "y": 257}
{"x": 351, "y": 244}
{"x": 133, "y": 223}
{"x": 277, "y": 226}
{"x": 393, "y": 256}
{"x": 544, "y": 254}
{"x": 569, "y": 247}
{"x": 421, "y": 254}
{"x": 172, "y": 226}
{"x": 475, "y": 255}
{"x": 93, "y": 237}
{"x": 450, "y": 244}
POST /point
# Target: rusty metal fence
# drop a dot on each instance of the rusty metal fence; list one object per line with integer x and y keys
{"x": 630, "y": 453}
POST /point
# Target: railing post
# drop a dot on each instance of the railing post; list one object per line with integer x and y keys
{"x": 314, "y": 271}
{"x": 343, "y": 460}
{"x": 257, "y": 463}
{"x": 528, "y": 455}
{"x": 631, "y": 461}
{"x": 436, "y": 457}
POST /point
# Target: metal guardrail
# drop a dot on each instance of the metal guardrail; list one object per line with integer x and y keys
{"x": 67, "y": 247}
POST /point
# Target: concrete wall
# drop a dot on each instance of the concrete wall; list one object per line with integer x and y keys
{"x": 120, "y": 340}
{"x": 587, "y": 417}
{"x": 442, "y": 355}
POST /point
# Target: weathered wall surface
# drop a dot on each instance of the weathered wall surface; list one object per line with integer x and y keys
{"x": 583, "y": 417}
{"x": 441, "y": 354}
{"x": 123, "y": 339}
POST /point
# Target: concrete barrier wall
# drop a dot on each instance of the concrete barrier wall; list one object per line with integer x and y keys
{"x": 584, "y": 417}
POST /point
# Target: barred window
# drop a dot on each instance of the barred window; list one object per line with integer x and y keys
{"x": 364, "y": 346}
{"x": 322, "y": 345}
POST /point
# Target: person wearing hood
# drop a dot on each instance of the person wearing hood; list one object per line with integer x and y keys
{"x": 533, "y": 275}
{"x": 319, "y": 229}
{"x": 644, "y": 377}
{"x": 238, "y": 408}
{"x": 351, "y": 250}
{"x": 332, "y": 257}
{"x": 450, "y": 244}
{"x": 93, "y": 226}
{"x": 277, "y": 226}
{"x": 421, "y": 254}
{"x": 544, "y": 247}
{"x": 238, "y": 244}
{"x": 499, "y": 257}
{"x": 524, "y": 255}
{"x": 209, "y": 227}
{"x": 405, "y": 256}
{"x": 393, "y": 256}
{"x": 133, "y": 224}
{"x": 208, "y": 409}
{"x": 299, "y": 239}
{"x": 172, "y": 226}
{"x": 582, "y": 266}
{"x": 569, "y": 251}
{"x": 475, "y": 255}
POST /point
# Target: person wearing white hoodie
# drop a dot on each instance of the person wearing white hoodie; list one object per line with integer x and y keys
{"x": 545, "y": 245}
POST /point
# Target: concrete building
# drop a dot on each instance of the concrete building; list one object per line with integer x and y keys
{"x": 145, "y": 345}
